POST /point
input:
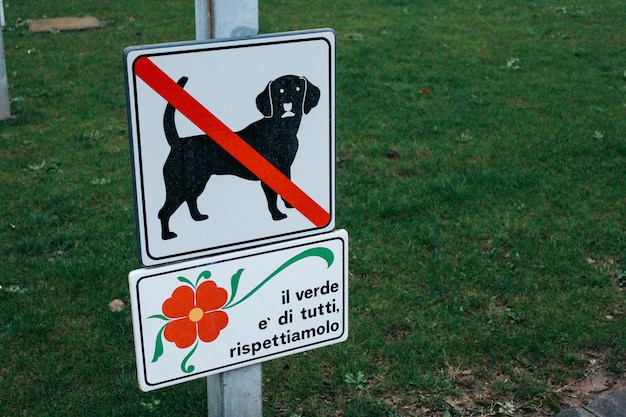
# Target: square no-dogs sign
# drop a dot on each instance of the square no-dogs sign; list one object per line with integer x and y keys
{"x": 233, "y": 143}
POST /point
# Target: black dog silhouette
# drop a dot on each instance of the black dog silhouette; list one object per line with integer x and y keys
{"x": 192, "y": 160}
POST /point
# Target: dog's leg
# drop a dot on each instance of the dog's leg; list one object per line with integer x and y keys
{"x": 272, "y": 198}
{"x": 193, "y": 210}
{"x": 287, "y": 173}
{"x": 164, "y": 215}
{"x": 166, "y": 233}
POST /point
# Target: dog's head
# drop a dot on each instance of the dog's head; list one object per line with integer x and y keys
{"x": 288, "y": 96}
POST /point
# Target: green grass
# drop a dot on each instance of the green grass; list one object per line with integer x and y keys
{"x": 481, "y": 157}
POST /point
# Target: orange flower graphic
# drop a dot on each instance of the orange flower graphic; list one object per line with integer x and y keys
{"x": 195, "y": 314}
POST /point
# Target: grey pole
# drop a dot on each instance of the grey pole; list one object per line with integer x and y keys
{"x": 236, "y": 393}
{"x": 235, "y": 18}
{"x": 203, "y": 19}
{"x": 5, "y": 108}
{"x": 220, "y": 19}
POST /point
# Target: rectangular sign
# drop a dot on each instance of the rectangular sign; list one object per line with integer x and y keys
{"x": 233, "y": 143}
{"x": 206, "y": 316}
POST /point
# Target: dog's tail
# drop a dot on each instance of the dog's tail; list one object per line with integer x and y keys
{"x": 169, "y": 124}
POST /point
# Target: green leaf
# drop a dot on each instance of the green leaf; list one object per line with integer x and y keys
{"x": 234, "y": 284}
{"x": 159, "y": 316}
{"x": 158, "y": 348}
{"x": 186, "y": 281}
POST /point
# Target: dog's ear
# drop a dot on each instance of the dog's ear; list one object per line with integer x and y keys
{"x": 264, "y": 101}
{"x": 311, "y": 97}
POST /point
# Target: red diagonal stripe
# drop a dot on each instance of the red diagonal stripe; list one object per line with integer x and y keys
{"x": 230, "y": 141}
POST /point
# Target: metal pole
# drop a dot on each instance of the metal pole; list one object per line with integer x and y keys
{"x": 1, "y": 14}
{"x": 5, "y": 108}
{"x": 235, "y": 18}
{"x": 203, "y": 19}
{"x": 220, "y": 19}
{"x": 236, "y": 393}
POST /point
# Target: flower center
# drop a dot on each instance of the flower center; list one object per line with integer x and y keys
{"x": 196, "y": 314}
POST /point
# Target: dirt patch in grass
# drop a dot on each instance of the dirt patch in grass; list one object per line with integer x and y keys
{"x": 64, "y": 23}
{"x": 477, "y": 396}
{"x": 597, "y": 382}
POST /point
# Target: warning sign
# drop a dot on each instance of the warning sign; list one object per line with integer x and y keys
{"x": 233, "y": 143}
{"x": 196, "y": 318}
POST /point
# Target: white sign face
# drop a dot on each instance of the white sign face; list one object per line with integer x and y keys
{"x": 233, "y": 143}
{"x": 201, "y": 317}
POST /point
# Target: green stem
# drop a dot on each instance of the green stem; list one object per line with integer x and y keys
{"x": 183, "y": 366}
{"x": 323, "y": 253}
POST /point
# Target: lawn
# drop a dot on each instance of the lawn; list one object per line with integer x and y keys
{"x": 481, "y": 157}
